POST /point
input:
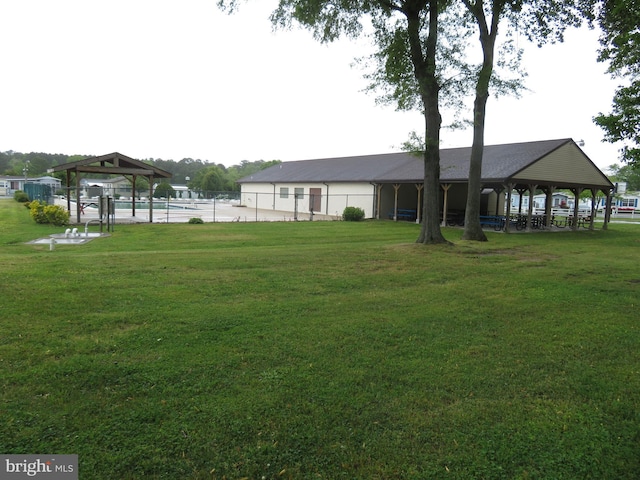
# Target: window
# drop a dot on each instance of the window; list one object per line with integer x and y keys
{"x": 627, "y": 202}
{"x": 284, "y": 192}
{"x": 299, "y": 192}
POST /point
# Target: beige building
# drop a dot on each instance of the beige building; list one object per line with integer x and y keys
{"x": 390, "y": 185}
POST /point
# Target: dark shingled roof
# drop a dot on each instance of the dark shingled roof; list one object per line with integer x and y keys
{"x": 120, "y": 164}
{"x": 499, "y": 163}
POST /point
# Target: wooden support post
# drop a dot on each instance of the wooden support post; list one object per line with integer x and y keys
{"x": 396, "y": 187}
{"x": 498, "y": 191}
{"x": 378, "y": 199}
{"x": 133, "y": 196}
{"x": 594, "y": 193}
{"x": 607, "y": 210}
{"x": 532, "y": 192}
{"x": 445, "y": 187}
{"x": 520, "y": 195}
{"x": 419, "y": 187}
{"x": 547, "y": 205}
{"x": 507, "y": 220}
{"x": 150, "y": 198}
{"x": 445, "y": 207}
{"x": 576, "y": 207}
{"x": 78, "y": 196}
{"x": 68, "y": 172}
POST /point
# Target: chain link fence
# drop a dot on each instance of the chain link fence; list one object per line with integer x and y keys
{"x": 213, "y": 206}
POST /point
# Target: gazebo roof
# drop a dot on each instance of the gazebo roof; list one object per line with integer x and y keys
{"x": 112, "y": 164}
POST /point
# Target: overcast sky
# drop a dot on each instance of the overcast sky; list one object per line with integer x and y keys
{"x": 179, "y": 79}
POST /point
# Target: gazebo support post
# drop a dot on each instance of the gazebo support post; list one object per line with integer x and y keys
{"x": 150, "y": 198}
{"x": 592, "y": 217}
{"x": 547, "y": 205}
{"x": 520, "y": 194}
{"x": 396, "y": 187}
{"x": 507, "y": 217}
{"x": 419, "y": 187}
{"x": 445, "y": 187}
{"x": 498, "y": 191}
{"x": 77, "y": 197}
{"x": 133, "y": 195}
{"x": 576, "y": 207}
{"x": 607, "y": 210}
{"x": 68, "y": 175}
{"x": 532, "y": 192}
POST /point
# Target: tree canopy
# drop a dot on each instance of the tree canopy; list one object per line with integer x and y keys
{"x": 202, "y": 175}
{"x": 619, "y": 21}
{"x": 406, "y": 36}
{"x": 420, "y": 63}
{"x": 626, "y": 173}
{"x": 539, "y": 23}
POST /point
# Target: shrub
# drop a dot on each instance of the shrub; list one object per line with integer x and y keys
{"x": 352, "y": 214}
{"x": 196, "y": 220}
{"x": 53, "y": 214}
{"x": 20, "y": 196}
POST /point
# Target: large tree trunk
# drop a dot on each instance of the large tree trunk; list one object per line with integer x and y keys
{"x": 430, "y": 232}
{"x": 424, "y": 64}
{"x": 472, "y": 227}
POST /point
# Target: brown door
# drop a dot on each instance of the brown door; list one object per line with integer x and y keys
{"x": 315, "y": 199}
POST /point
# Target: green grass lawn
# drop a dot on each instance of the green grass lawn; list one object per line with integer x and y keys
{"x": 322, "y": 350}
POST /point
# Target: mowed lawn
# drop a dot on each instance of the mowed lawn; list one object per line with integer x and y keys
{"x": 322, "y": 350}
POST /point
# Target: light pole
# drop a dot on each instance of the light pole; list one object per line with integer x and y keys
{"x": 25, "y": 170}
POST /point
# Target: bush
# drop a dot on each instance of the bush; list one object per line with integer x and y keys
{"x": 352, "y": 214}
{"x": 53, "y": 214}
{"x": 20, "y": 196}
{"x": 196, "y": 220}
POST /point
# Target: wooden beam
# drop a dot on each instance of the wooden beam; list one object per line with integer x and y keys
{"x": 115, "y": 170}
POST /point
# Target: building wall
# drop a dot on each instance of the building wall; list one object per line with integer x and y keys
{"x": 627, "y": 202}
{"x": 336, "y": 196}
{"x": 291, "y": 197}
{"x": 567, "y": 162}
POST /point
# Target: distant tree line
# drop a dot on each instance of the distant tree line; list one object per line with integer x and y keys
{"x": 629, "y": 173}
{"x": 202, "y": 175}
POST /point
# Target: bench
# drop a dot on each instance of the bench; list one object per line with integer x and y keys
{"x": 403, "y": 214}
{"x": 494, "y": 221}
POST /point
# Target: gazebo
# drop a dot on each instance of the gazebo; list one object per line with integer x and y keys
{"x": 111, "y": 164}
